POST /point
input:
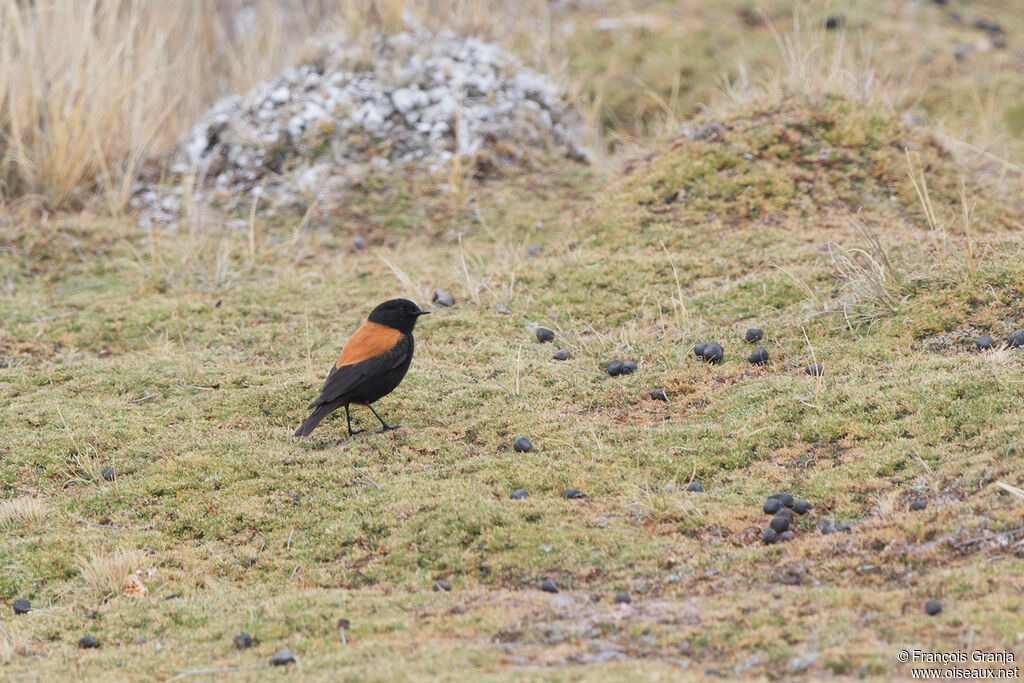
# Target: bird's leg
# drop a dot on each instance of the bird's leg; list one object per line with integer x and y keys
{"x": 349, "y": 418}
{"x": 384, "y": 424}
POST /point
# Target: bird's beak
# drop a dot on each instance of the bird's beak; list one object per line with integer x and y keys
{"x": 422, "y": 312}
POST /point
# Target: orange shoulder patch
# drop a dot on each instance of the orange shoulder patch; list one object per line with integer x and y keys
{"x": 369, "y": 340}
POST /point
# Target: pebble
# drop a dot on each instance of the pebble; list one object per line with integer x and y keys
{"x": 501, "y": 309}
{"x": 835, "y": 21}
{"x": 1016, "y": 339}
{"x": 695, "y": 486}
{"x": 984, "y": 342}
{"x": 614, "y": 368}
{"x": 659, "y": 395}
{"x": 21, "y": 606}
{"x": 623, "y": 598}
{"x": 845, "y": 528}
{"x": 441, "y": 586}
{"x": 759, "y": 357}
{"x": 713, "y": 352}
{"x": 545, "y": 335}
{"x": 754, "y": 335}
{"x": 139, "y": 640}
{"x": 573, "y": 493}
{"x": 772, "y": 505}
{"x": 932, "y": 607}
{"x": 801, "y": 507}
{"x": 562, "y": 354}
{"x": 768, "y": 536}
{"x": 815, "y": 370}
{"x": 520, "y": 494}
{"x": 442, "y": 298}
{"x": 522, "y": 445}
{"x": 549, "y": 586}
{"x": 779, "y": 523}
{"x": 88, "y": 642}
{"x": 108, "y": 474}
{"x": 282, "y": 657}
{"x": 243, "y": 641}
{"x": 787, "y": 535}
{"x": 918, "y": 505}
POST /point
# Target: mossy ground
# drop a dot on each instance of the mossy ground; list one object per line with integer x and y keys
{"x": 185, "y": 360}
{"x": 191, "y": 393}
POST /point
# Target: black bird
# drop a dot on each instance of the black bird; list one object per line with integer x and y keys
{"x": 372, "y": 364}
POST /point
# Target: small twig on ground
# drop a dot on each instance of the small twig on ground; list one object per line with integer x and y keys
{"x": 49, "y": 318}
{"x": 364, "y": 477}
{"x": 144, "y": 398}
{"x": 94, "y": 524}
{"x": 225, "y": 670}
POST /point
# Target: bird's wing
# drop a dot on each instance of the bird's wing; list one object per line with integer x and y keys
{"x": 344, "y": 379}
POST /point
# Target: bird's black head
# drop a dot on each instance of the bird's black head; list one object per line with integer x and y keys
{"x": 399, "y": 314}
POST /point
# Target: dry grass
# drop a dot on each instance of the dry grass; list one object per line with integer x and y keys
{"x": 106, "y": 576}
{"x": 22, "y": 514}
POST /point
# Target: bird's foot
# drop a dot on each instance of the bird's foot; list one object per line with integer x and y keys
{"x": 353, "y": 432}
{"x": 388, "y": 428}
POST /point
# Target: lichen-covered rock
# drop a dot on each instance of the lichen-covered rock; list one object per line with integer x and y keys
{"x": 416, "y": 98}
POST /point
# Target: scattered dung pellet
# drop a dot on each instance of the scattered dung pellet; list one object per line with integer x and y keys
{"x": 932, "y": 607}
{"x": 545, "y": 335}
{"x": 139, "y": 640}
{"x": 573, "y": 493}
{"x": 801, "y": 507}
{"x": 769, "y": 536}
{"x": 695, "y": 486}
{"x": 519, "y": 494}
{"x": 623, "y": 598}
{"x": 522, "y": 445}
{"x": 614, "y": 367}
{"x": 88, "y": 642}
{"x": 243, "y": 641}
{"x": 785, "y": 512}
{"x": 786, "y": 499}
{"x": 358, "y": 242}
{"x": 815, "y": 370}
{"x": 779, "y": 523}
{"x": 787, "y": 535}
{"x": 772, "y": 505}
{"x": 825, "y": 526}
{"x": 549, "y": 586}
{"x": 282, "y": 658}
{"x": 659, "y": 395}
{"x": 442, "y": 298}
{"x": 562, "y": 354}
{"x": 985, "y": 342}
{"x": 834, "y": 21}
{"x": 713, "y": 352}
{"x": 754, "y": 335}
{"x": 1016, "y": 339}
{"x": 985, "y": 24}
{"x": 21, "y": 606}
{"x": 698, "y": 350}
{"x": 501, "y": 309}
{"x": 759, "y": 357}
{"x": 628, "y": 368}
{"x": 918, "y": 505}
{"x": 108, "y": 474}
{"x": 441, "y": 586}
{"x": 845, "y": 528}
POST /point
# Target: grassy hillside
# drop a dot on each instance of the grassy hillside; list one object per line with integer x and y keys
{"x": 151, "y": 382}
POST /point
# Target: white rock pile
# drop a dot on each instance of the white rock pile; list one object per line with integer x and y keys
{"x": 413, "y": 98}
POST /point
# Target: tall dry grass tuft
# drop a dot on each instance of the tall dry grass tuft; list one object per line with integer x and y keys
{"x": 22, "y": 513}
{"x": 105, "y": 576}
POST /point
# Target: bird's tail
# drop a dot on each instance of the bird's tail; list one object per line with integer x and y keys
{"x": 313, "y": 420}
